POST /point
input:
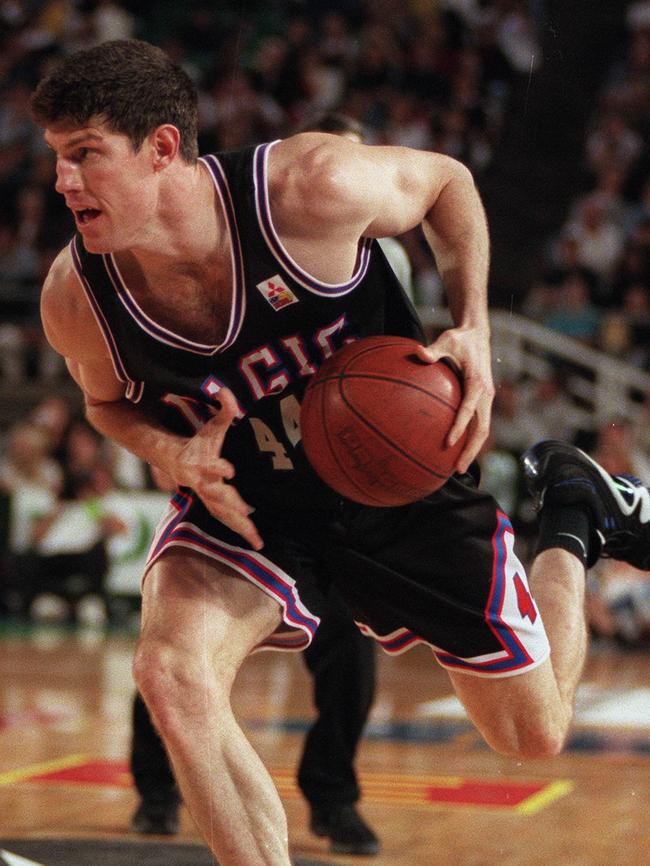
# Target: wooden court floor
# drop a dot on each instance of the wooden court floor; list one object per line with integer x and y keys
{"x": 435, "y": 794}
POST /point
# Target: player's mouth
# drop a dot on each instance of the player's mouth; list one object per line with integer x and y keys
{"x": 86, "y": 215}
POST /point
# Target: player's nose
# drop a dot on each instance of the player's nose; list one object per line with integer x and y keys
{"x": 68, "y": 177}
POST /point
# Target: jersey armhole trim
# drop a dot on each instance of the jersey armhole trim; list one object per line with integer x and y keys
{"x": 134, "y": 389}
{"x": 276, "y": 247}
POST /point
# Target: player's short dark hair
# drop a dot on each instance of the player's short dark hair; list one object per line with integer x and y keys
{"x": 335, "y": 122}
{"x": 131, "y": 86}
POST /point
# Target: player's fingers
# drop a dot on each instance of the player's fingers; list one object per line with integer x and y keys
{"x": 225, "y": 503}
{"x": 477, "y": 432}
{"x": 223, "y": 419}
{"x": 434, "y": 352}
{"x": 477, "y": 399}
{"x": 223, "y": 468}
{"x": 245, "y": 527}
{"x": 464, "y": 415}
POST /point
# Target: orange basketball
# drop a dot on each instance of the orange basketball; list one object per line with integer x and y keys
{"x": 375, "y": 420}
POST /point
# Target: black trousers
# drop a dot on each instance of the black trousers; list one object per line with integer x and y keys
{"x": 70, "y": 575}
{"x": 342, "y": 662}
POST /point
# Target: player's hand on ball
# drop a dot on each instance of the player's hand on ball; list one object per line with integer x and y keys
{"x": 469, "y": 349}
{"x": 200, "y": 466}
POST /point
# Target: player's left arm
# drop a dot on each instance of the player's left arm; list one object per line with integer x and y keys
{"x": 357, "y": 190}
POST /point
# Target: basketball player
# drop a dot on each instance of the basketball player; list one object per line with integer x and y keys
{"x": 193, "y": 305}
{"x": 342, "y": 662}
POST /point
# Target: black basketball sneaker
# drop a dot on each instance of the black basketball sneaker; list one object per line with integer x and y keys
{"x": 619, "y": 505}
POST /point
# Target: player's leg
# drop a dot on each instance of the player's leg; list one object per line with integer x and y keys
{"x": 528, "y": 715}
{"x": 585, "y": 513}
{"x": 342, "y": 662}
{"x": 200, "y": 621}
{"x": 157, "y": 810}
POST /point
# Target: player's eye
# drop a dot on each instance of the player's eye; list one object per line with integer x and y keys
{"x": 80, "y": 154}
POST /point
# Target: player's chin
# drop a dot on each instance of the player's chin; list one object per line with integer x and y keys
{"x": 101, "y": 245}
{"x": 97, "y": 247}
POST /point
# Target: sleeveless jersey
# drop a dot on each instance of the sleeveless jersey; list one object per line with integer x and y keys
{"x": 283, "y": 324}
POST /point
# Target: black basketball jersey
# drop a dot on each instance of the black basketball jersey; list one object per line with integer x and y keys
{"x": 283, "y": 324}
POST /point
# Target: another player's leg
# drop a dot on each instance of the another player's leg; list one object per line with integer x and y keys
{"x": 585, "y": 514}
{"x": 157, "y": 811}
{"x": 342, "y": 662}
{"x": 616, "y": 508}
{"x": 200, "y": 621}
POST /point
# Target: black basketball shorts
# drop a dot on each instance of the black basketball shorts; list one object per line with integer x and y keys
{"x": 441, "y": 571}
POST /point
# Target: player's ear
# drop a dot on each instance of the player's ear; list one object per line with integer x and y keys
{"x": 165, "y": 142}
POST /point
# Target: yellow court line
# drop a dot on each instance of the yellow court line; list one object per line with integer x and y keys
{"x": 371, "y": 777}
{"x": 553, "y": 791}
{"x": 47, "y": 767}
{"x": 439, "y": 781}
{"x": 413, "y": 785}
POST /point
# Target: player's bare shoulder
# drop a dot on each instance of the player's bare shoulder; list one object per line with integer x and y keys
{"x": 68, "y": 321}
{"x": 311, "y": 175}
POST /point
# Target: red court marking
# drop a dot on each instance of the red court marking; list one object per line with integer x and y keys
{"x": 524, "y": 797}
{"x": 480, "y": 792}
{"x": 93, "y": 772}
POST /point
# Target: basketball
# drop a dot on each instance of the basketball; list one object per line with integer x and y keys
{"x": 375, "y": 420}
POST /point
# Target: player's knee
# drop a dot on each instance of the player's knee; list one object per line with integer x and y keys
{"x": 172, "y": 680}
{"x": 530, "y": 742}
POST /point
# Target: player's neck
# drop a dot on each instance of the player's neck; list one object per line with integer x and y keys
{"x": 189, "y": 229}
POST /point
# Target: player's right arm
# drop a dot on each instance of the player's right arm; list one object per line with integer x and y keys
{"x": 71, "y": 329}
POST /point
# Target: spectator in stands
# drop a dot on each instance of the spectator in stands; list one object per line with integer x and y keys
{"x": 613, "y": 142}
{"x": 26, "y": 462}
{"x": 639, "y": 211}
{"x": 616, "y": 338}
{"x": 634, "y": 267}
{"x": 112, "y": 21}
{"x": 608, "y": 191}
{"x": 628, "y": 90}
{"x": 500, "y": 475}
{"x": 232, "y": 112}
{"x": 84, "y": 449}
{"x": 67, "y": 554}
{"x": 514, "y": 427}
{"x": 54, "y": 415}
{"x": 30, "y": 483}
{"x": 525, "y": 412}
{"x": 617, "y": 451}
{"x": 18, "y": 266}
{"x": 408, "y": 123}
{"x": 599, "y": 241}
{"x": 573, "y": 312}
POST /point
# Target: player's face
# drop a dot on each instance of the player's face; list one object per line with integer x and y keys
{"x": 110, "y": 189}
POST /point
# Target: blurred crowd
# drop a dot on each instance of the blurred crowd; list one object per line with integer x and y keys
{"x": 57, "y": 475}
{"x": 425, "y": 74}
{"x": 595, "y": 282}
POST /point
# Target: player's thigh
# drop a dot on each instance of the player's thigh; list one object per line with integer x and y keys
{"x": 521, "y": 714}
{"x": 191, "y": 601}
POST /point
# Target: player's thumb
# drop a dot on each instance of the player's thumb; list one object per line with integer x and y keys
{"x": 433, "y": 353}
